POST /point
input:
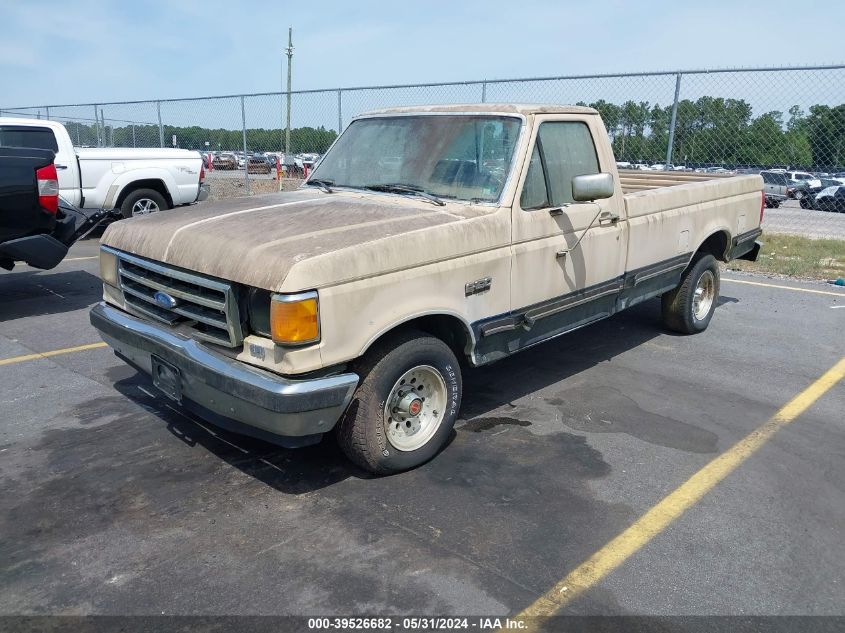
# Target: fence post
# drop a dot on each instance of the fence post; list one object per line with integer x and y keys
{"x": 246, "y": 158}
{"x": 339, "y": 111}
{"x": 48, "y": 112}
{"x": 133, "y": 135}
{"x": 674, "y": 119}
{"x": 160, "y": 126}
{"x": 97, "y": 125}
{"x": 104, "y": 128}
{"x": 483, "y": 92}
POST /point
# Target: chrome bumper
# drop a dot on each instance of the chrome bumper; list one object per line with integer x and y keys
{"x": 229, "y": 393}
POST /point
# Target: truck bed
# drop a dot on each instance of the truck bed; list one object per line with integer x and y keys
{"x": 633, "y": 180}
{"x": 647, "y": 193}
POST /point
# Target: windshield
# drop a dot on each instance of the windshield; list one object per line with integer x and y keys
{"x": 461, "y": 157}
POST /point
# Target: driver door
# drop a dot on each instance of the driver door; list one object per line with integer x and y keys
{"x": 568, "y": 257}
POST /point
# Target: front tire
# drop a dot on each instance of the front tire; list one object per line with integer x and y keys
{"x": 689, "y": 307}
{"x": 405, "y": 406}
{"x": 143, "y": 202}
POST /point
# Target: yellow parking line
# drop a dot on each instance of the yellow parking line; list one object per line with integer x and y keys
{"x": 79, "y": 259}
{"x": 671, "y": 507}
{"x": 757, "y": 283}
{"x": 55, "y": 352}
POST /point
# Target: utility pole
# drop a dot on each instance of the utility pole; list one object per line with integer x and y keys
{"x": 289, "y": 53}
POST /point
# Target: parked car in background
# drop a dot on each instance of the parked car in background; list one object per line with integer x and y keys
{"x": 808, "y": 200}
{"x": 259, "y": 164}
{"x": 225, "y": 161}
{"x": 804, "y": 188}
{"x": 306, "y": 160}
{"x": 36, "y": 226}
{"x": 803, "y": 177}
{"x": 135, "y": 180}
{"x": 775, "y": 186}
{"x": 828, "y": 199}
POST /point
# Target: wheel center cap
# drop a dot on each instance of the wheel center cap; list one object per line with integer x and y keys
{"x": 410, "y": 405}
{"x": 415, "y": 407}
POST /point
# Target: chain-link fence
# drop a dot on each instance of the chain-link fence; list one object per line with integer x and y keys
{"x": 735, "y": 120}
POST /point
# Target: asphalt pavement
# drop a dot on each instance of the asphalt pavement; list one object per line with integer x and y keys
{"x": 790, "y": 218}
{"x": 113, "y": 501}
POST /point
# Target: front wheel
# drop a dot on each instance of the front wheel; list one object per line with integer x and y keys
{"x": 405, "y": 405}
{"x": 689, "y": 307}
{"x": 143, "y": 202}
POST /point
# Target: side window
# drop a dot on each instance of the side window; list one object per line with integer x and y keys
{"x": 768, "y": 178}
{"x": 534, "y": 193}
{"x": 568, "y": 151}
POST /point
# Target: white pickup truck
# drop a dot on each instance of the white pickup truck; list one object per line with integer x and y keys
{"x": 427, "y": 240}
{"x": 135, "y": 181}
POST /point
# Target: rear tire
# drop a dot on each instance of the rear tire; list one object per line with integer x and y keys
{"x": 406, "y": 373}
{"x": 689, "y": 307}
{"x": 143, "y": 202}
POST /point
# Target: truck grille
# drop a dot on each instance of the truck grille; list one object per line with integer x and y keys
{"x": 208, "y": 306}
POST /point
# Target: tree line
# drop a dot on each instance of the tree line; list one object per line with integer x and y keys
{"x": 718, "y": 131}
{"x": 302, "y": 139}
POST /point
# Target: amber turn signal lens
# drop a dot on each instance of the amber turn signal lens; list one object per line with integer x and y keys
{"x": 294, "y": 321}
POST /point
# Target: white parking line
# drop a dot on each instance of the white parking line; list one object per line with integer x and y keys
{"x": 757, "y": 283}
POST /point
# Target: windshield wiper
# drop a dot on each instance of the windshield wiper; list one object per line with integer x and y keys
{"x": 411, "y": 189}
{"x": 324, "y": 185}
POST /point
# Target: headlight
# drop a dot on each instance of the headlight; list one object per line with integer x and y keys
{"x": 108, "y": 267}
{"x": 295, "y": 319}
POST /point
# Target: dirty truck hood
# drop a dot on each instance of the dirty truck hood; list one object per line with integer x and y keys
{"x": 328, "y": 238}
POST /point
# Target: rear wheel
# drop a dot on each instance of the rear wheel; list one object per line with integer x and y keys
{"x": 405, "y": 405}
{"x": 143, "y": 202}
{"x": 689, "y": 307}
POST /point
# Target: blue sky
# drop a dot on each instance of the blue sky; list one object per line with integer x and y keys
{"x": 85, "y": 51}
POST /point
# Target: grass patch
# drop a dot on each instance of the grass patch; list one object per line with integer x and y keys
{"x": 795, "y": 256}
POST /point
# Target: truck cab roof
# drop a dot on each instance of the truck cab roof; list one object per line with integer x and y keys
{"x": 485, "y": 108}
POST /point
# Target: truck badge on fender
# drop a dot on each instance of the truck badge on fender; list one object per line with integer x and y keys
{"x": 478, "y": 286}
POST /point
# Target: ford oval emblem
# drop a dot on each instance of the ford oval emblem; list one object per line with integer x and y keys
{"x": 164, "y": 300}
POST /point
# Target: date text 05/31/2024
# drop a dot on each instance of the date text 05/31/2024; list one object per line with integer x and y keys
{"x": 415, "y": 624}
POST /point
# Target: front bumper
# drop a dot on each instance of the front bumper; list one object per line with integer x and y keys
{"x": 229, "y": 393}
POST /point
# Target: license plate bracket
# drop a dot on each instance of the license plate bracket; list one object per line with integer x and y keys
{"x": 167, "y": 378}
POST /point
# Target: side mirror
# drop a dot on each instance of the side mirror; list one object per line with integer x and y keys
{"x": 592, "y": 187}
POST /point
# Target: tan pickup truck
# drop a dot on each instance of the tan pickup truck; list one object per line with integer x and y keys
{"x": 427, "y": 241}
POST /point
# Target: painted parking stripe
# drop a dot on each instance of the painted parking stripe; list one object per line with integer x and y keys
{"x": 80, "y": 259}
{"x": 811, "y": 290}
{"x": 55, "y": 352}
{"x": 674, "y": 505}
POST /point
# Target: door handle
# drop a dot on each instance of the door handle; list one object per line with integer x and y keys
{"x": 58, "y": 166}
{"x": 608, "y": 217}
